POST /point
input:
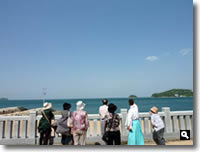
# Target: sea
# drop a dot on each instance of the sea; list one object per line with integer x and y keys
{"x": 92, "y": 104}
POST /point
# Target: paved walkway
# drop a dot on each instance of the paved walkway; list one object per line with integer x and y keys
{"x": 175, "y": 142}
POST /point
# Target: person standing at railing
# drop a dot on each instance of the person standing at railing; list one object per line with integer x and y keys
{"x": 45, "y": 123}
{"x": 80, "y": 124}
{"x": 158, "y": 126}
{"x": 112, "y": 133}
{"x": 103, "y": 111}
{"x": 135, "y": 136}
{"x": 62, "y": 126}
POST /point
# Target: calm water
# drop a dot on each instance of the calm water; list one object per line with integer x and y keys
{"x": 92, "y": 105}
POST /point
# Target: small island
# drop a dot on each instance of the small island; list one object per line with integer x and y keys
{"x": 132, "y": 96}
{"x": 174, "y": 93}
{"x": 3, "y": 99}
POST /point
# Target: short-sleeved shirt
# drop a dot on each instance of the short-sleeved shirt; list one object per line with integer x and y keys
{"x": 103, "y": 110}
{"x": 112, "y": 122}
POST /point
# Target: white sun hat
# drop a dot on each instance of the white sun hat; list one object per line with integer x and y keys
{"x": 46, "y": 106}
{"x": 80, "y": 105}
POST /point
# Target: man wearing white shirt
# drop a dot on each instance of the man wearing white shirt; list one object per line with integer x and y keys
{"x": 158, "y": 126}
{"x": 135, "y": 136}
{"x": 103, "y": 111}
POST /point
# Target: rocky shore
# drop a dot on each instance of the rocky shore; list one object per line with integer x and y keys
{"x": 20, "y": 111}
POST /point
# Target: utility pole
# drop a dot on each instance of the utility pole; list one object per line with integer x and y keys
{"x": 44, "y": 92}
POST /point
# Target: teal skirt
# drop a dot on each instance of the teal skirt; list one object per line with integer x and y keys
{"x": 135, "y": 136}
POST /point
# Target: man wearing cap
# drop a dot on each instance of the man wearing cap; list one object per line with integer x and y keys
{"x": 158, "y": 126}
{"x": 103, "y": 111}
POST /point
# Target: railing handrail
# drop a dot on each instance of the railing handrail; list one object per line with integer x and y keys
{"x": 25, "y": 127}
{"x": 96, "y": 116}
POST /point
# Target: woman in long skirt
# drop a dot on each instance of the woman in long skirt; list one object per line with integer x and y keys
{"x": 135, "y": 136}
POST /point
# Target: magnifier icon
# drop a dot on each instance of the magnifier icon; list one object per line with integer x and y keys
{"x": 184, "y": 134}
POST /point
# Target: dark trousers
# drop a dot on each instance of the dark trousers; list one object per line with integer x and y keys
{"x": 65, "y": 140}
{"x": 45, "y": 136}
{"x": 114, "y": 138}
{"x": 158, "y": 137}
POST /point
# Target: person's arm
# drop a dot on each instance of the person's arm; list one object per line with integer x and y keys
{"x": 129, "y": 120}
{"x": 52, "y": 118}
{"x": 99, "y": 112}
{"x": 118, "y": 120}
{"x": 153, "y": 121}
{"x": 86, "y": 121}
{"x": 106, "y": 123}
{"x": 72, "y": 119}
{"x": 52, "y": 115}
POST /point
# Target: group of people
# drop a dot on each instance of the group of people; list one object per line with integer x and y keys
{"x": 73, "y": 126}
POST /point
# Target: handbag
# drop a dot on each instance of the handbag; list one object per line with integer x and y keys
{"x": 69, "y": 121}
{"x": 106, "y": 134}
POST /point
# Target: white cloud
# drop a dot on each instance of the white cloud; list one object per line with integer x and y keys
{"x": 185, "y": 51}
{"x": 151, "y": 58}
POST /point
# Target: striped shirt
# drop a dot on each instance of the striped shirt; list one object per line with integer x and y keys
{"x": 156, "y": 122}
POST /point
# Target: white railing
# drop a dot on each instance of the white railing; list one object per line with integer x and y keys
{"x": 23, "y": 129}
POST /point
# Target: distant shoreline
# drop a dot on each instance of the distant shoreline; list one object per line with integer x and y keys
{"x": 92, "y": 98}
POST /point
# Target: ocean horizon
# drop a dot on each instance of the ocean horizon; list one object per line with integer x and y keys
{"x": 92, "y": 104}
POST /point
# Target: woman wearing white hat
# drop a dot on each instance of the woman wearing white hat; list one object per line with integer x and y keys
{"x": 45, "y": 123}
{"x": 79, "y": 124}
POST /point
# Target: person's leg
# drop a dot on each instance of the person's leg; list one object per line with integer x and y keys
{"x": 68, "y": 140}
{"x": 76, "y": 137}
{"x": 102, "y": 127}
{"x": 111, "y": 138}
{"x": 47, "y": 136}
{"x": 161, "y": 140}
{"x": 41, "y": 138}
{"x": 117, "y": 138}
{"x": 63, "y": 139}
{"x": 155, "y": 137}
{"x": 72, "y": 139}
{"x": 83, "y": 137}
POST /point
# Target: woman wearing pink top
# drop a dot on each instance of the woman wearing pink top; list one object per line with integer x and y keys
{"x": 80, "y": 124}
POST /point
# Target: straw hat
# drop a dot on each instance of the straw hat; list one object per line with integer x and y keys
{"x": 80, "y": 105}
{"x": 46, "y": 106}
{"x": 154, "y": 109}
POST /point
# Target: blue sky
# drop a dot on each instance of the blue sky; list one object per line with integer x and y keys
{"x": 95, "y": 48}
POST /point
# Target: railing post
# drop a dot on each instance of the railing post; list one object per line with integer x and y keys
{"x": 168, "y": 124}
{"x": 32, "y": 126}
{"x": 2, "y": 129}
{"x": 124, "y": 131}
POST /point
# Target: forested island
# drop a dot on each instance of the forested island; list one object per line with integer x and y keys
{"x": 174, "y": 93}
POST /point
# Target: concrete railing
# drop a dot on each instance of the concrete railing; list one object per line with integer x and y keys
{"x": 23, "y": 129}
